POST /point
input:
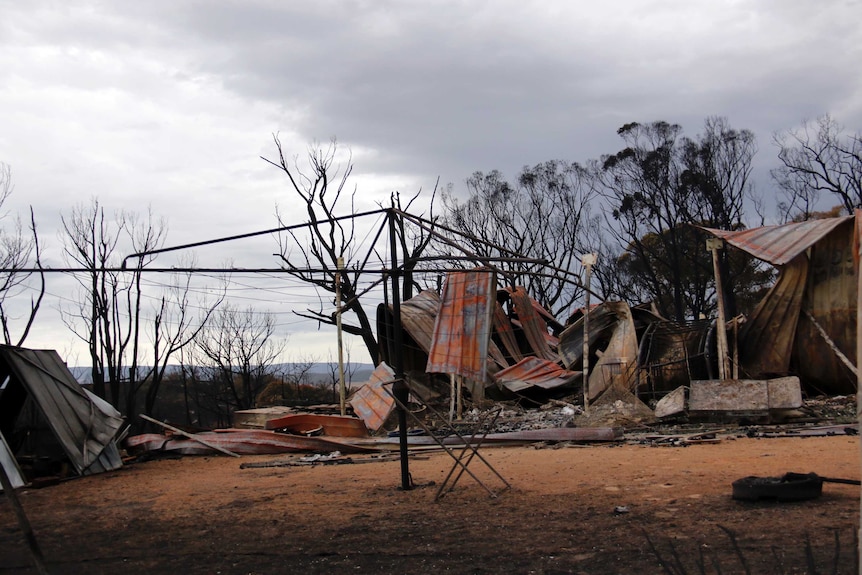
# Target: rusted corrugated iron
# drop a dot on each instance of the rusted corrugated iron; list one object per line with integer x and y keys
{"x": 417, "y": 320}
{"x": 503, "y": 330}
{"x": 603, "y": 321}
{"x": 778, "y": 245}
{"x": 371, "y": 403}
{"x": 830, "y": 297}
{"x": 828, "y": 293}
{"x": 462, "y": 332}
{"x": 534, "y": 327}
{"x": 536, "y": 372}
{"x": 418, "y": 315}
{"x": 769, "y": 333}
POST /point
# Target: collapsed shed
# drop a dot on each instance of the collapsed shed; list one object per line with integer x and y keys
{"x": 806, "y": 323}
{"x": 49, "y": 421}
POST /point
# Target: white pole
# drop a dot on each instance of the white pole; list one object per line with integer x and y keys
{"x": 713, "y": 245}
{"x": 342, "y": 389}
{"x": 858, "y": 231}
{"x": 587, "y": 260}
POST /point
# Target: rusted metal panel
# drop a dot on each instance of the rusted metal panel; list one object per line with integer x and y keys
{"x": 603, "y": 320}
{"x": 830, "y": 297}
{"x": 308, "y": 423}
{"x": 533, "y": 324}
{"x": 503, "y": 330}
{"x": 462, "y": 331}
{"x": 536, "y": 372}
{"x": 768, "y": 335}
{"x": 417, "y": 321}
{"x": 418, "y": 315}
{"x": 242, "y": 442}
{"x": 371, "y": 403}
{"x": 613, "y": 346}
{"x": 779, "y": 245}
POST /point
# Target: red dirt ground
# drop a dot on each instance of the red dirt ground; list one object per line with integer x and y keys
{"x": 205, "y": 515}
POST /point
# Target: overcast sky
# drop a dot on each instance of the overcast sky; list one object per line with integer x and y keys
{"x": 169, "y": 104}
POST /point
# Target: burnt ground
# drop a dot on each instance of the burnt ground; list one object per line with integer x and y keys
{"x": 624, "y": 508}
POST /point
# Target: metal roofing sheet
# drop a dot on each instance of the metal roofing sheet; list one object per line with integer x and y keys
{"x": 371, "y": 403}
{"x": 535, "y": 372}
{"x": 779, "y": 244}
{"x": 85, "y": 427}
{"x": 532, "y": 323}
{"x": 462, "y": 332}
{"x": 418, "y": 315}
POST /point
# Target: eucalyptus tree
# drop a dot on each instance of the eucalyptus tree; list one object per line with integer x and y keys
{"x": 660, "y": 185}
{"x": 818, "y": 158}
{"x": 533, "y": 228}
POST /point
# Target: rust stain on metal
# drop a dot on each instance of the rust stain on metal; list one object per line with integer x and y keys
{"x": 535, "y": 372}
{"x": 503, "y": 329}
{"x": 418, "y": 315}
{"x": 371, "y": 403}
{"x": 535, "y": 328}
{"x": 462, "y": 332}
{"x": 769, "y": 333}
{"x": 778, "y": 245}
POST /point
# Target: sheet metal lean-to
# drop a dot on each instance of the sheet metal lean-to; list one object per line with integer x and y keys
{"x": 778, "y": 245}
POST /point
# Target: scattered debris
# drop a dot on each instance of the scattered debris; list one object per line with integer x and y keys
{"x": 371, "y": 402}
{"x": 672, "y": 404}
{"x": 240, "y": 441}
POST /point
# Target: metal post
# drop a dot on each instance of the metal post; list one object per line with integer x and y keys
{"x": 399, "y": 389}
{"x": 342, "y": 389}
{"x": 858, "y": 261}
{"x": 588, "y": 261}
{"x": 713, "y": 245}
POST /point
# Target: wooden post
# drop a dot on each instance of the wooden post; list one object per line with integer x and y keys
{"x": 713, "y": 245}
{"x": 588, "y": 261}
{"x": 342, "y": 388}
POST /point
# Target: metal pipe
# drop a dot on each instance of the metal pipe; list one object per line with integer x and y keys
{"x": 399, "y": 389}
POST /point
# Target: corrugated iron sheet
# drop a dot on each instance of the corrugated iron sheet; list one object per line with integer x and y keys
{"x": 418, "y": 315}
{"x": 768, "y": 335}
{"x": 371, "y": 403}
{"x": 503, "y": 329}
{"x": 778, "y": 245}
{"x": 462, "y": 332}
{"x": 535, "y": 372}
{"x": 535, "y": 328}
{"x": 84, "y": 425}
{"x": 830, "y": 297}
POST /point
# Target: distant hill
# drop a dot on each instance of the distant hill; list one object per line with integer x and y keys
{"x": 319, "y": 372}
